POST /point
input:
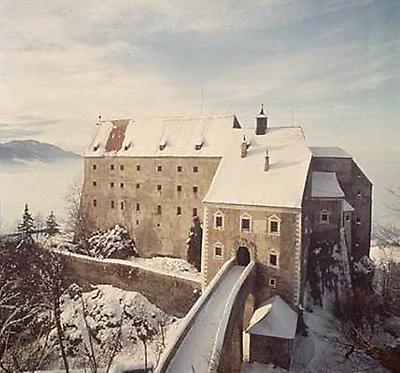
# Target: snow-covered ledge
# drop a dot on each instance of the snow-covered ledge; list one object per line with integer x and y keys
{"x": 187, "y": 322}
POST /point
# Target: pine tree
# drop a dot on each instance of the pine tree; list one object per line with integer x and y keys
{"x": 51, "y": 224}
{"x": 194, "y": 243}
{"x": 27, "y": 226}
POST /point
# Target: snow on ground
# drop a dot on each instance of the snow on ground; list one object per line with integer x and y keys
{"x": 322, "y": 351}
{"x": 169, "y": 266}
{"x": 107, "y": 307}
{"x": 381, "y": 255}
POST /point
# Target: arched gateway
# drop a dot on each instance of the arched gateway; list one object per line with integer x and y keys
{"x": 242, "y": 256}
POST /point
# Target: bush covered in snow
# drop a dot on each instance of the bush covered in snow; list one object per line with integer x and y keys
{"x": 115, "y": 243}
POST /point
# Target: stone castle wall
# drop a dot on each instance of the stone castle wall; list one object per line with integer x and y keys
{"x": 139, "y": 181}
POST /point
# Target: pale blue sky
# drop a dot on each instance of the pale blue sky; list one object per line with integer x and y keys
{"x": 333, "y": 66}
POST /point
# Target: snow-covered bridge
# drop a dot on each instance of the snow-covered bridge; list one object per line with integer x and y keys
{"x": 205, "y": 339}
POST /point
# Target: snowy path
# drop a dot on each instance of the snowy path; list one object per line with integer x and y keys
{"x": 195, "y": 350}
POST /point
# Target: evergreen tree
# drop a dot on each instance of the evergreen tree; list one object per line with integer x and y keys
{"x": 51, "y": 224}
{"x": 27, "y": 226}
{"x": 194, "y": 242}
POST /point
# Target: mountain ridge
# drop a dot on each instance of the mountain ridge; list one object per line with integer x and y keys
{"x": 19, "y": 151}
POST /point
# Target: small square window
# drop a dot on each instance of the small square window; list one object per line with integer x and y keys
{"x": 94, "y": 167}
{"x": 122, "y": 185}
{"x": 195, "y": 189}
{"x": 122, "y": 167}
{"x": 137, "y": 186}
{"x": 122, "y": 204}
{"x": 159, "y": 168}
{"x": 195, "y": 168}
{"x": 159, "y": 209}
{"x": 359, "y": 194}
{"x": 113, "y": 204}
{"x": 219, "y": 221}
{"x": 348, "y": 217}
{"x": 273, "y": 260}
{"x": 194, "y": 212}
{"x": 159, "y": 187}
{"x": 179, "y": 210}
{"x": 358, "y": 221}
{"x": 112, "y": 167}
{"x": 272, "y": 282}
{"x": 94, "y": 183}
{"x": 179, "y": 168}
{"x": 138, "y": 207}
{"x": 324, "y": 217}
{"x": 95, "y": 203}
{"x": 245, "y": 224}
{"x": 112, "y": 184}
{"x": 218, "y": 251}
{"x": 137, "y": 222}
{"x": 179, "y": 188}
{"x": 138, "y": 167}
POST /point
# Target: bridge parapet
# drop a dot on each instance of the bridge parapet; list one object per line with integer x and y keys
{"x": 189, "y": 319}
{"x": 227, "y": 354}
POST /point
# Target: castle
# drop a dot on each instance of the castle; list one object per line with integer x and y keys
{"x": 260, "y": 193}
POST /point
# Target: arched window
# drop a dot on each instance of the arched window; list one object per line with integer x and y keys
{"x": 274, "y": 225}
{"x": 219, "y": 220}
{"x": 218, "y": 250}
{"x": 245, "y": 223}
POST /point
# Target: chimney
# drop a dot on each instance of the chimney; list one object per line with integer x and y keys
{"x": 243, "y": 147}
{"x": 266, "y": 164}
{"x": 261, "y": 122}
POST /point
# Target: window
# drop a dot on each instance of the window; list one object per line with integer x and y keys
{"x": 359, "y": 194}
{"x": 137, "y": 222}
{"x": 179, "y": 188}
{"x": 137, "y": 186}
{"x": 112, "y": 184}
{"x": 194, "y": 212}
{"x": 195, "y": 168}
{"x": 245, "y": 223}
{"x": 94, "y": 183}
{"x": 179, "y": 210}
{"x": 159, "y": 209}
{"x": 122, "y": 167}
{"x": 274, "y": 225}
{"x": 218, "y": 250}
{"x": 358, "y": 220}
{"x": 138, "y": 167}
{"x": 159, "y": 168}
{"x": 138, "y": 207}
{"x": 324, "y": 217}
{"x": 122, "y": 185}
{"x": 179, "y": 168}
{"x": 195, "y": 189}
{"x": 112, "y": 167}
{"x": 113, "y": 204}
{"x": 347, "y": 217}
{"x": 272, "y": 282}
{"x": 122, "y": 204}
{"x": 159, "y": 187}
{"x": 273, "y": 259}
{"x": 94, "y": 167}
{"x": 219, "y": 220}
{"x": 95, "y": 203}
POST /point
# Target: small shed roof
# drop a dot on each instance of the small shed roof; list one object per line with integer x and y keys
{"x": 274, "y": 319}
{"x": 329, "y": 152}
{"x": 325, "y": 185}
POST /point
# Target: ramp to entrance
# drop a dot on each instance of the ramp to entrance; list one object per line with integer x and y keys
{"x": 195, "y": 350}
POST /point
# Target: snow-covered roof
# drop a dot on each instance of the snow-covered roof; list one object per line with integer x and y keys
{"x": 329, "y": 152}
{"x": 243, "y": 180}
{"x": 347, "y": 207}
{"x": 275, "y": 318}
{"x": 237, "y": 180}
{"x": 325, "y": 185}
{"x": 158, "y": 137}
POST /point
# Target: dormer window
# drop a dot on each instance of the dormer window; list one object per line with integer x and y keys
{"x": 163, "y": 144}
{"x": 245, "y": 223}
{"x": 199, "y": 145}
{"x": 274, "y": 225}
{"x": 219, "y": 220}
{"x": 96, "y": 147}
{"x": 127, "y": 146}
